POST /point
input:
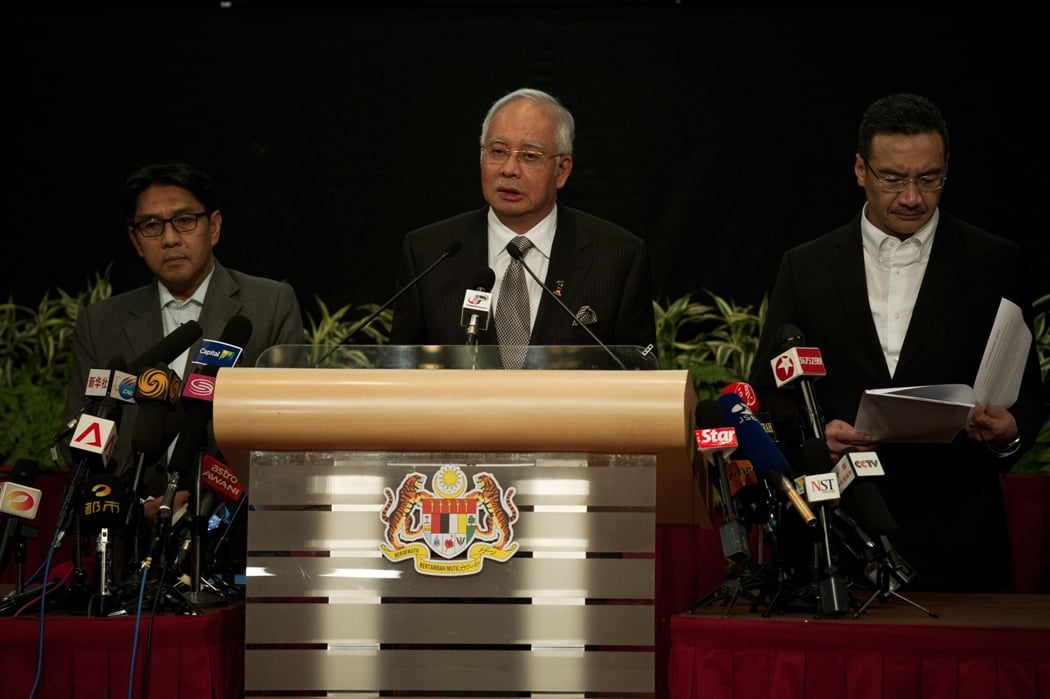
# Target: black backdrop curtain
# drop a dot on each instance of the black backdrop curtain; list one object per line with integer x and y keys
{"x": 720, "y": 132}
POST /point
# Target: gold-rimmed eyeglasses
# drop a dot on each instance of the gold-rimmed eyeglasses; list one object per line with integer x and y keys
{"x": 498, "y": 154}
{"x": 895, "y": 185}
{"x": 154, "y": 227}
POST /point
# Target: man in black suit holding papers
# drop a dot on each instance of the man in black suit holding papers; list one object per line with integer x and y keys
{"x": 906, "y": 295}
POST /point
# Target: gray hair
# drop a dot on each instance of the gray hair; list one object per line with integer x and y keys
{"x": 565, "y": 131}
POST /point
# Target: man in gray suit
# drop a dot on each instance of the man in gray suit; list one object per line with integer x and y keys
{"x": 905, "y": 295}
{"x": 174, "y": 222}
{"x": 599, "y": 270}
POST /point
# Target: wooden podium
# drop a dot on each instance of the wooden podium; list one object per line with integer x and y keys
{"x": 457, "y": 532}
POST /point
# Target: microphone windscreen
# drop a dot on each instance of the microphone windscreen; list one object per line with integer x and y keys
{"x": 484, "y": 279}
{"x": 863, "y": 500}
{"x": 170, "y": 347}
{"x": 758, "y": 447}
{"x": 237, "y": 332}
{"x": 816, "y": 457}
{"x": 791, "y": 336}
{"x": 453, "y": 248}
{"x": 24, "y": 471}
{"x": 709, "y": 414}
{"x": 104, "y": 501}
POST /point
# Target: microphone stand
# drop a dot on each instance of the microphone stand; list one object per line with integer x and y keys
{"x": 450, "y": 250}
{"x": 519, "y": 255}
{"x": 203, "y": 598}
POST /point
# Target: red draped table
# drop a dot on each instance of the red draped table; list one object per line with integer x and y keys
{"x": 190, "y": 657}
{"x": 980, "y": 646}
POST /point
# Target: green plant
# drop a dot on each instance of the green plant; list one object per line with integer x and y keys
{"x": 716, "y": 343}
{"x": 332, "y": 328}
{"x": 35, "y": 344}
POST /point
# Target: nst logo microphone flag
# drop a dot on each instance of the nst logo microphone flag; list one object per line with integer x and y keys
{"x": 797, "y": 363}
{"x": 19, "y": 500}
{"x": 216, "y": 353}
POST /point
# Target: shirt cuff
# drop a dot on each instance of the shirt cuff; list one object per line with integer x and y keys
{"x": 1007, "y": 449}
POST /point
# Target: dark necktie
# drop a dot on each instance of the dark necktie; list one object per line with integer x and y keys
{"x": 513, "y": 322}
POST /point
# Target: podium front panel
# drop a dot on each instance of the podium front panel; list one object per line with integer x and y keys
{"x": 450, "y": 573}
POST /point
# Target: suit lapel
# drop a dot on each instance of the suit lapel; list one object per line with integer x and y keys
{"x": 848, "y": 270}
{"x": 569, "y": 263}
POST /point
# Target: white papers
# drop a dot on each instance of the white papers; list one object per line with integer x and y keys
{"x": 937, "y": 413}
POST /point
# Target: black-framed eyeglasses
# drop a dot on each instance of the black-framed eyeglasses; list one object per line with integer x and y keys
{"x": 154, "y": 227}
{"x": 895, "y": 185}
{"x": 498, "y": 154}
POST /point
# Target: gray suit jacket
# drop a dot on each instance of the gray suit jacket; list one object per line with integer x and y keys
{"x": 593, "y": 263}
{"x": 129, "y": 324}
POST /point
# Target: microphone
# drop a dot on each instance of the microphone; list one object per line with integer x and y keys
{"x": 861, "y": 496}
{"x": 831, "y": 585}
{"x": 197, "y": 404}
{"x": 517, "y": 254}
{"x": 801, "y": 365}
{"x": 113, "y": 383}
{"x": 450, "y": 250}
{"x": 715, "y": 441}
{"x": 477, "y": 304}
{"x": 169, "y": 348}
{"x": 19, "y": 501}
{"x": 747, "y": 394}
{"x": 769, "y": 462}
{"x": 104, "y": 500}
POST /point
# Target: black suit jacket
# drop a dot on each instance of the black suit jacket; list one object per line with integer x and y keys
{"x": 944, "y": 498}
{"x": 594, "y": 263}
{"x": 128, "y": 324}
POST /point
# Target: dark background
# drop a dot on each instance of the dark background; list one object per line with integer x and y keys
{"x": 722, "y": 133}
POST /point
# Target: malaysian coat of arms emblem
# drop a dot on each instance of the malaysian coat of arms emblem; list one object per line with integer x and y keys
{"x": 449, "y": 530}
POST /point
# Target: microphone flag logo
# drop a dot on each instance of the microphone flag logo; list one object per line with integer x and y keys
{"x": 798, "y": 362}
{"x": 216, "y": 353}
{"x": 199, "y": 386}
{"x": 19, "y": 500}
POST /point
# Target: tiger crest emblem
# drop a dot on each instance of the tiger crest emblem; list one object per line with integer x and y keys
{"x": 449, "y": 530}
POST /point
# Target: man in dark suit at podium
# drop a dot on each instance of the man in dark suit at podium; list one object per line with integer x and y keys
{"x": 599, "y": 270}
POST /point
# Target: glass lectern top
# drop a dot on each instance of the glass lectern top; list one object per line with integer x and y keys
{"x": 455, "y": 357}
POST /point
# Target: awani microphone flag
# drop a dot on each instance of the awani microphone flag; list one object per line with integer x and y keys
{"x": 798, "y": 363}
{"x": 19, "y": 500}
{"x": 220, "y": 478}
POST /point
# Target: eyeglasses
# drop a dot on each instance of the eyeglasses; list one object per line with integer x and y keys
{"x": 926, "y": 183}
{"x": 154, "y": 227}
{"x": 497, "y": 155}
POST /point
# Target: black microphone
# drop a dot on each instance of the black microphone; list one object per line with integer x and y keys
{"x": 831, "y": 585}
{"x": 715, "y": 440}
{"x": 197, "y": 408}
{"x": 802, "y": 366}
{"x": 103, "y": 504}
{"x": 19, "y": 501}
{"x": 450, "y": 250}
{"x": 477, "y": 304}
{"x": 169, "y": 348}
{"x": 518, "y": 255}
{"x": 102, "y": 384}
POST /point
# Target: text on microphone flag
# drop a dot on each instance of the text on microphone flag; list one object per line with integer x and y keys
{"x": 716, "y": 438}
{"x": 798, "y": 362}
{"x": 217, "y": 353}
{"x": 220, "y": 478}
